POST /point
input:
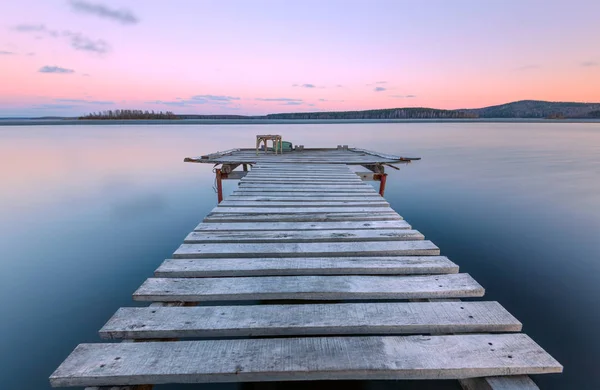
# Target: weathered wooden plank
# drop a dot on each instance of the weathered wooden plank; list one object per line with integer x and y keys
{"x": 257, "y": 236}
{"x": 274, "y": 203}
{"x": 515, "y": 382}
{"x": 398, "y": 265}
{"x": 300, "y": 167}
{"x": 312, "y": 189}
{"x": 300, "y": 175}
{"x": 304, "y": 182}
{"x": 309, "y": 195}
{"x": 312, "y": 358}
{"x": 292, "y": 210}
{"x": 346, "y": 287}
{"x": 314, "y": 186}
{"x": 302, "y": 170}
{"x": 302, "y": 320}
{"x": 294, "y": 179}
{"x": 309, "y": 249}
{"x": 283, "y": 176}
{"x": 307, "y": 217}
{"x": 341, "y": 225}
{"x": 306, "y": 197}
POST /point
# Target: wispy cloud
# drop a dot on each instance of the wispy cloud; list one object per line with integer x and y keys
{"x": 83, "y": 43}
{"x": 55, "y": 69}
{"x": 119, "y": 15}
{"x": 278, "y": 100}
{"x": 218, "y": 98}
{"x": 84, "y": 101}
{"x": 6, "y": 53}
{"x": 54, "y": 106}
{"x": 403, "y": 96}
{"x": 379, "y": 89}
{"x": 198, "y": 99}
{"x": 77, "y": 40}
{"x": 292, "y": 103}
{"x": 589, "y": 64}
{"x": 339, "y": 86}
{"x": 167, "y": 103}
{"x": 30, "y": 28}
{"x": 305, "y": 86}
{"x": 528, "y": 67}
{"x": 377, "y": 83}
{"x": 330, "y": 100}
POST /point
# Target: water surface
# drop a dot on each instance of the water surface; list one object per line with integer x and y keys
{"x": 88, "y": 212}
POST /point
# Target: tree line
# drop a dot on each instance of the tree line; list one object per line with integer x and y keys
{"x": 392, "y": 113}
{"x": 129, "y": 114}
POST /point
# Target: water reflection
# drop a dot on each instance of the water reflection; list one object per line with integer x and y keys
{"x": 87, "y": 213}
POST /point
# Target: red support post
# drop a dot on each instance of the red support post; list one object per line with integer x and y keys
{"x": 382, "y": 180}
{"x": 219, "y": 186}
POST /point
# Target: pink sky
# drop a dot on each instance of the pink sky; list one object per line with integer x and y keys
{"x": 257, "y": 57}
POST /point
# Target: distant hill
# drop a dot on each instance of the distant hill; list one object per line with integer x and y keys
{"x": 521, "y": 109}
{"x": 538, "y": 109}
{"x": 391, "y": 113}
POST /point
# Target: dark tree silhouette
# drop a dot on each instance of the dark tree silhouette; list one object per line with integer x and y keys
{"x": 129, "y": 114}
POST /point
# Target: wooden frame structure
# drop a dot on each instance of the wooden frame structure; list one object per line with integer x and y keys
{"x": 373, "y": 162}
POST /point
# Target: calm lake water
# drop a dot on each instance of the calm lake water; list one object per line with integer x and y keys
{"x": 88, "y": 212}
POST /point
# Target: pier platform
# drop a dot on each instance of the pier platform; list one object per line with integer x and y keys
{"x": 306, "y": 273}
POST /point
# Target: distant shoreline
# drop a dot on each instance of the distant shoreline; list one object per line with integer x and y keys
{"x": 76, "y": 122}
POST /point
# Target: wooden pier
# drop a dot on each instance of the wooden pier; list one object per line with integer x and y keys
{"x": 317, "y": 279}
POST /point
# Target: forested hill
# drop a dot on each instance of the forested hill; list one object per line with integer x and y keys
{"x": 521, "y": 109}
{"x": 533, "y": 109}
{"x": 538, "y": 109}
{"x": 391, "y": 113}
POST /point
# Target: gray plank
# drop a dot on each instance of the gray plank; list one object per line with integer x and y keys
{"x": 300, "y": 180}
{"x": 516, "y": 382}
{"x": 398, "y": 265}
{"x": 307, "y": 168}
{"x": 258, "y": 236}
{"x": 309, "y": 249}
{"x": 306, "y": 182}
{"x": 302, "y": 320}
{"x": 314, "y": 186}
{"x": 300, "y": 175}
{"x": 301, "y": 171}
{"x": 324, "y": 198}
{"x": 276, "y": 177}
{"x": 346, "y": 287}
{"x": 299, "y": 203}
{"x": 304, "y": 217}
{"x": 308, "y": 195}
{"x": 313, "y": 358}
{"x": 341, "y": 225}
{"x": 302, "y": 210}
{"x": 367, "y": 189}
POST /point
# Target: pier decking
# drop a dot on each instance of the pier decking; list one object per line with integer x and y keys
{"x": 347, "y": 290}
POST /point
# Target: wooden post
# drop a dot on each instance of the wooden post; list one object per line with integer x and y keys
{"x": 382, "y": 180}
{"x": 245, "y": 167}
{"x": 219, "y": 186}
